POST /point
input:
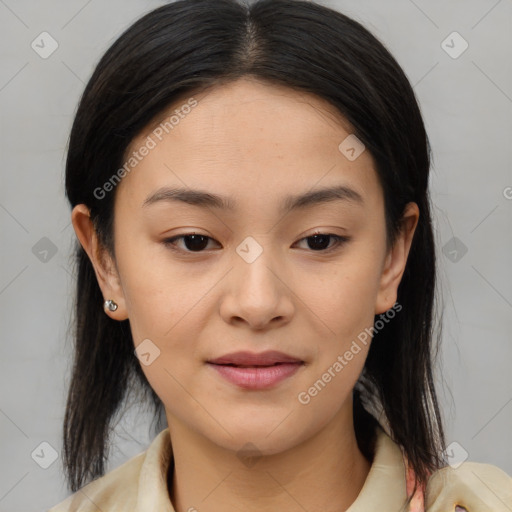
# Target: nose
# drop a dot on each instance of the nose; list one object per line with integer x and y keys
{"x": 258, "y": 294}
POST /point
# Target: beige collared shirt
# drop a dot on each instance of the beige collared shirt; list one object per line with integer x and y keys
{"x": 140, "y": 485}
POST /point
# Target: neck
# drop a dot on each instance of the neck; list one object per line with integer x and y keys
{"x": 324, "y": 473}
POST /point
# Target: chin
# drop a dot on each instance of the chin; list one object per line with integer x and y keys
{"x": 272, "y": 430}
{"x": 256, "y": 443}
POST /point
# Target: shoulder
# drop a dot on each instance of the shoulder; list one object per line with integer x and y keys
{"x": 117, "y": 490}
{"x": 140, "y": 484}
{"x": 474, "y": 486}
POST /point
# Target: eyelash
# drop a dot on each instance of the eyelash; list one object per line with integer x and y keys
{"x": 339, "y": 241}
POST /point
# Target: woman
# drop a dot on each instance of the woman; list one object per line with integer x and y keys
{"x": 250, "y": 192}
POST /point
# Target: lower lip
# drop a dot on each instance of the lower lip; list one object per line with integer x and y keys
{"x": 256, "y": 378}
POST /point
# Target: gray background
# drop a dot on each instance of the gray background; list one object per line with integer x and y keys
{"x": 467, "y": 107}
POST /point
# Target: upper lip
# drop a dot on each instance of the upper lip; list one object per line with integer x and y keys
{"x": 267, "y": 358}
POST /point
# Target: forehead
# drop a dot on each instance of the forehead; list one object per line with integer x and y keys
{"x": 245, "y": 139}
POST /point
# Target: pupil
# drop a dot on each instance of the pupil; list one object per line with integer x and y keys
{"x": 196, "y": 242}
{"x": 316, "y": 238}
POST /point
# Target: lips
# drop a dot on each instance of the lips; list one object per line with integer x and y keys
{"x": 256, "y": 372}
{"x": 251, "y": 360}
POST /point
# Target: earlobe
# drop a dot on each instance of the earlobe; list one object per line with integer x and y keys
{"x": 396, "y": 260}
{"x": 104, "y": 267}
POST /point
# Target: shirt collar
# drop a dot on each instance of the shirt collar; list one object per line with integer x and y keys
{"x": 153, "y": 492}
{"x": 385, "y": 486}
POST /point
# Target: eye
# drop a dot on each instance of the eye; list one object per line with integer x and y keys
{"x": 319, "y": 242}
{"x": 193, "y": 242}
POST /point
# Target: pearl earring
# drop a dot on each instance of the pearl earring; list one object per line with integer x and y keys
{"x": 110, "y": 305}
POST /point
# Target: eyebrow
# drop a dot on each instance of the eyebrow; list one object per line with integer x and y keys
{"x": 207, "y": 200}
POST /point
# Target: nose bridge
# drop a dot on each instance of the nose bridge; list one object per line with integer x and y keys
{"x": 258, "y": 294}
{"x": 256, "y": 267}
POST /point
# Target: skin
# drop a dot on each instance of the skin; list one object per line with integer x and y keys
{"x": 256, "y": 143}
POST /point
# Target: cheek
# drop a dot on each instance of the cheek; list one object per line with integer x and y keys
{"x": 343, "y": 299}
{"x": 328, "y": 390}
{"x": 155, "y": 291}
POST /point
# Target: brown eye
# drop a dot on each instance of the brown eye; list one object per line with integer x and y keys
{"x": 319, "y": 242}
{"x": 192, "y": 242}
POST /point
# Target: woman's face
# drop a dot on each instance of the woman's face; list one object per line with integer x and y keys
{"x": 252, "y": 280}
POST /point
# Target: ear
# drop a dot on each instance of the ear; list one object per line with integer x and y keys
{"x": 396, "y": 260}
{"x": 104, "y": 266}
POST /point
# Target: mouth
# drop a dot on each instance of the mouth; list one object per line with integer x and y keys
{"x": 256, "y": 371}
{"x": 249, "y": 359}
